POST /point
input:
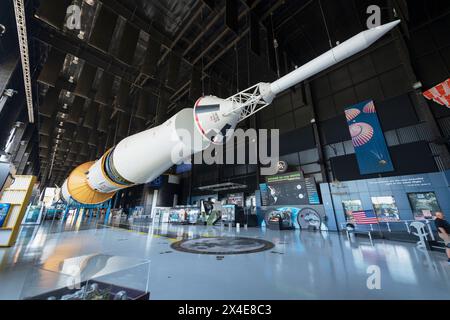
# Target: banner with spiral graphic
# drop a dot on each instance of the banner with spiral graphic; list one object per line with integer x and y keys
{"x": 368, "y": 139}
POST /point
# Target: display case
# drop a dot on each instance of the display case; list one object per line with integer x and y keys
{"x": 89, "y": 277}
{"x": 184, "y": 215}
{"x": 279, "y": 220}
{"x": 229, "y": 214}
{"x": 160, "y": 214}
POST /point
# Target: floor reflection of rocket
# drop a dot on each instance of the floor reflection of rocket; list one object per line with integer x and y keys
{"x": 143, "y": 157}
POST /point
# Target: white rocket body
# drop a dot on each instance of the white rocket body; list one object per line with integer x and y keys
{"x": 143, "y": 157}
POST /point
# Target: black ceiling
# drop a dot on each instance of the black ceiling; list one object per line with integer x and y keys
{"x": 136, "y": 59}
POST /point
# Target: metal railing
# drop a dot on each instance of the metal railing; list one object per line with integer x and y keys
{"x": 389, "y": 227}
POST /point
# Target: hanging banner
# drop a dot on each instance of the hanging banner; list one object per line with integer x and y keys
{"x": 440, "y": 93}
{"x": 368, "y": 139}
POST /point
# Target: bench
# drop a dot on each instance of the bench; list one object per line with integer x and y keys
{"x": 351, "y": 228}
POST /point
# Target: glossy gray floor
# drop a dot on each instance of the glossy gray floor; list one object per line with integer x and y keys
{"x": 302, "y": 265}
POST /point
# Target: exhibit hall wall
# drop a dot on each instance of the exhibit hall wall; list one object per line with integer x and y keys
{"x": 395, "y": 200}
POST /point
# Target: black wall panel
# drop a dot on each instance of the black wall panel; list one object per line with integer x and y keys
{"x": 75, "y": 110}
{"x": 146, "y": 106}
{"x": 395, "y": 82}
{"x": 91, "y": 117}
{"x": 173, "y": 70}
{"x": 50, "y": 103}
{"x": 70, "y": 129}
{"x": 103, "y": 29}
{"x": 270, "y": 48}
{"x": 396, "y": 113}
{"x": 163, "y": 106}
{"x": 103, "y": 122}
{"x": 138, "y": 125}
{"x": 124, "y": 124}
{"x": 335, "y": 130}
{"x": 408, "y": 159}
{"x": 340, "y": 79}
{"x": 232, "y": 15}
{"x": 82, "y": 136}
{"x": 128, "y": 44}
{"x": 255, "y": 38}
{"x": 52, "y": 67}
{"x": 53, "y": 12}
{"x": 195, "y": 90}
{"x": 297, "y": 140}
{"x": 432, "y": 70}
{"x": 93, "y": 138}
{"x": 122, "y": 96}
{"x": 151, "y": 58}
{"x": 84, "y": 84}
{"x": 210, "y": 3}
{"x": 104, "y": 93}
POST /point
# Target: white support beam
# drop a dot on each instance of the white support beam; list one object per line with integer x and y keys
{"x": 19, "y": 9}
{"x": 248, "y": 102}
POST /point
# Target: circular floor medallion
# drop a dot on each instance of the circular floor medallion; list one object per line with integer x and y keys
{"x": 222, "y": 245}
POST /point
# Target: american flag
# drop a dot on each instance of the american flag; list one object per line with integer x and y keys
{"x": 365, "y": 217}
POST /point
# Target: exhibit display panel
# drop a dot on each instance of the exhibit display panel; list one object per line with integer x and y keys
{"x": 289, "y": 189}
{"x": 33, "y": 216}
{"x": 306, "y": 217}
{"x": 15, "y": 199}
{"x": 89, "y": 277}
{"x": 395, "y": 200}
{"x": 368, "y": 139}
{"x": 178, "y": 215}
{"x": 351, "y": 206}
{"x": 385, "y": 209}
{"x": 424, "y": 205}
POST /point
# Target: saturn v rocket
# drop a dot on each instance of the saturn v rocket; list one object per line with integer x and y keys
{"x": 142, "y": 157}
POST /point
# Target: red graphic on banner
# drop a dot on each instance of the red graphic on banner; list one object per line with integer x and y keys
{"x": 440, "y": 93}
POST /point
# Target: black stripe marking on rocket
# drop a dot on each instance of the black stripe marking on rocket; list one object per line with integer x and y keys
{"x": 207, "y": 108}
{"x": 225, "y": 129}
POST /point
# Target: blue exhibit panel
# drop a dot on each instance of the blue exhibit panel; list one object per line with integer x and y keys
{"x": 4, "y": 209}
{"x": 368, "y": 139}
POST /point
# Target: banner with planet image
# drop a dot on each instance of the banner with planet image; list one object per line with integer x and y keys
{"x": 368, "y": 139}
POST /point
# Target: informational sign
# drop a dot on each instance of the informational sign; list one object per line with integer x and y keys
{"x": 33, "y": 215}
{"x": 289, "y": 189}
{"x": 368, "y": 139}
{"x": 311, "y": 189}
{"x": 4, "y": 209}
{"x": 236, "y": 198}
{"x": 264, "y": 190}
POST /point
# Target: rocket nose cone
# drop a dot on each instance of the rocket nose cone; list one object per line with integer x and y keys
{"x": 376, "y": 33}
{"x": 389, "y": 26}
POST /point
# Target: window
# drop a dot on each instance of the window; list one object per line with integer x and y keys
{"x": 424, "y": 205}
{"x": 385, "y": 209}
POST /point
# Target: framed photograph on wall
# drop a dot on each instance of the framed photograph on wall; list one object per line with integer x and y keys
{"x": 386, "y": 209}
{"x": 424, "y": 205}
{"x": 351, "y": 206}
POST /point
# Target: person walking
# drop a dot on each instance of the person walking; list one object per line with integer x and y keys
{"x": 443, "y": 228}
